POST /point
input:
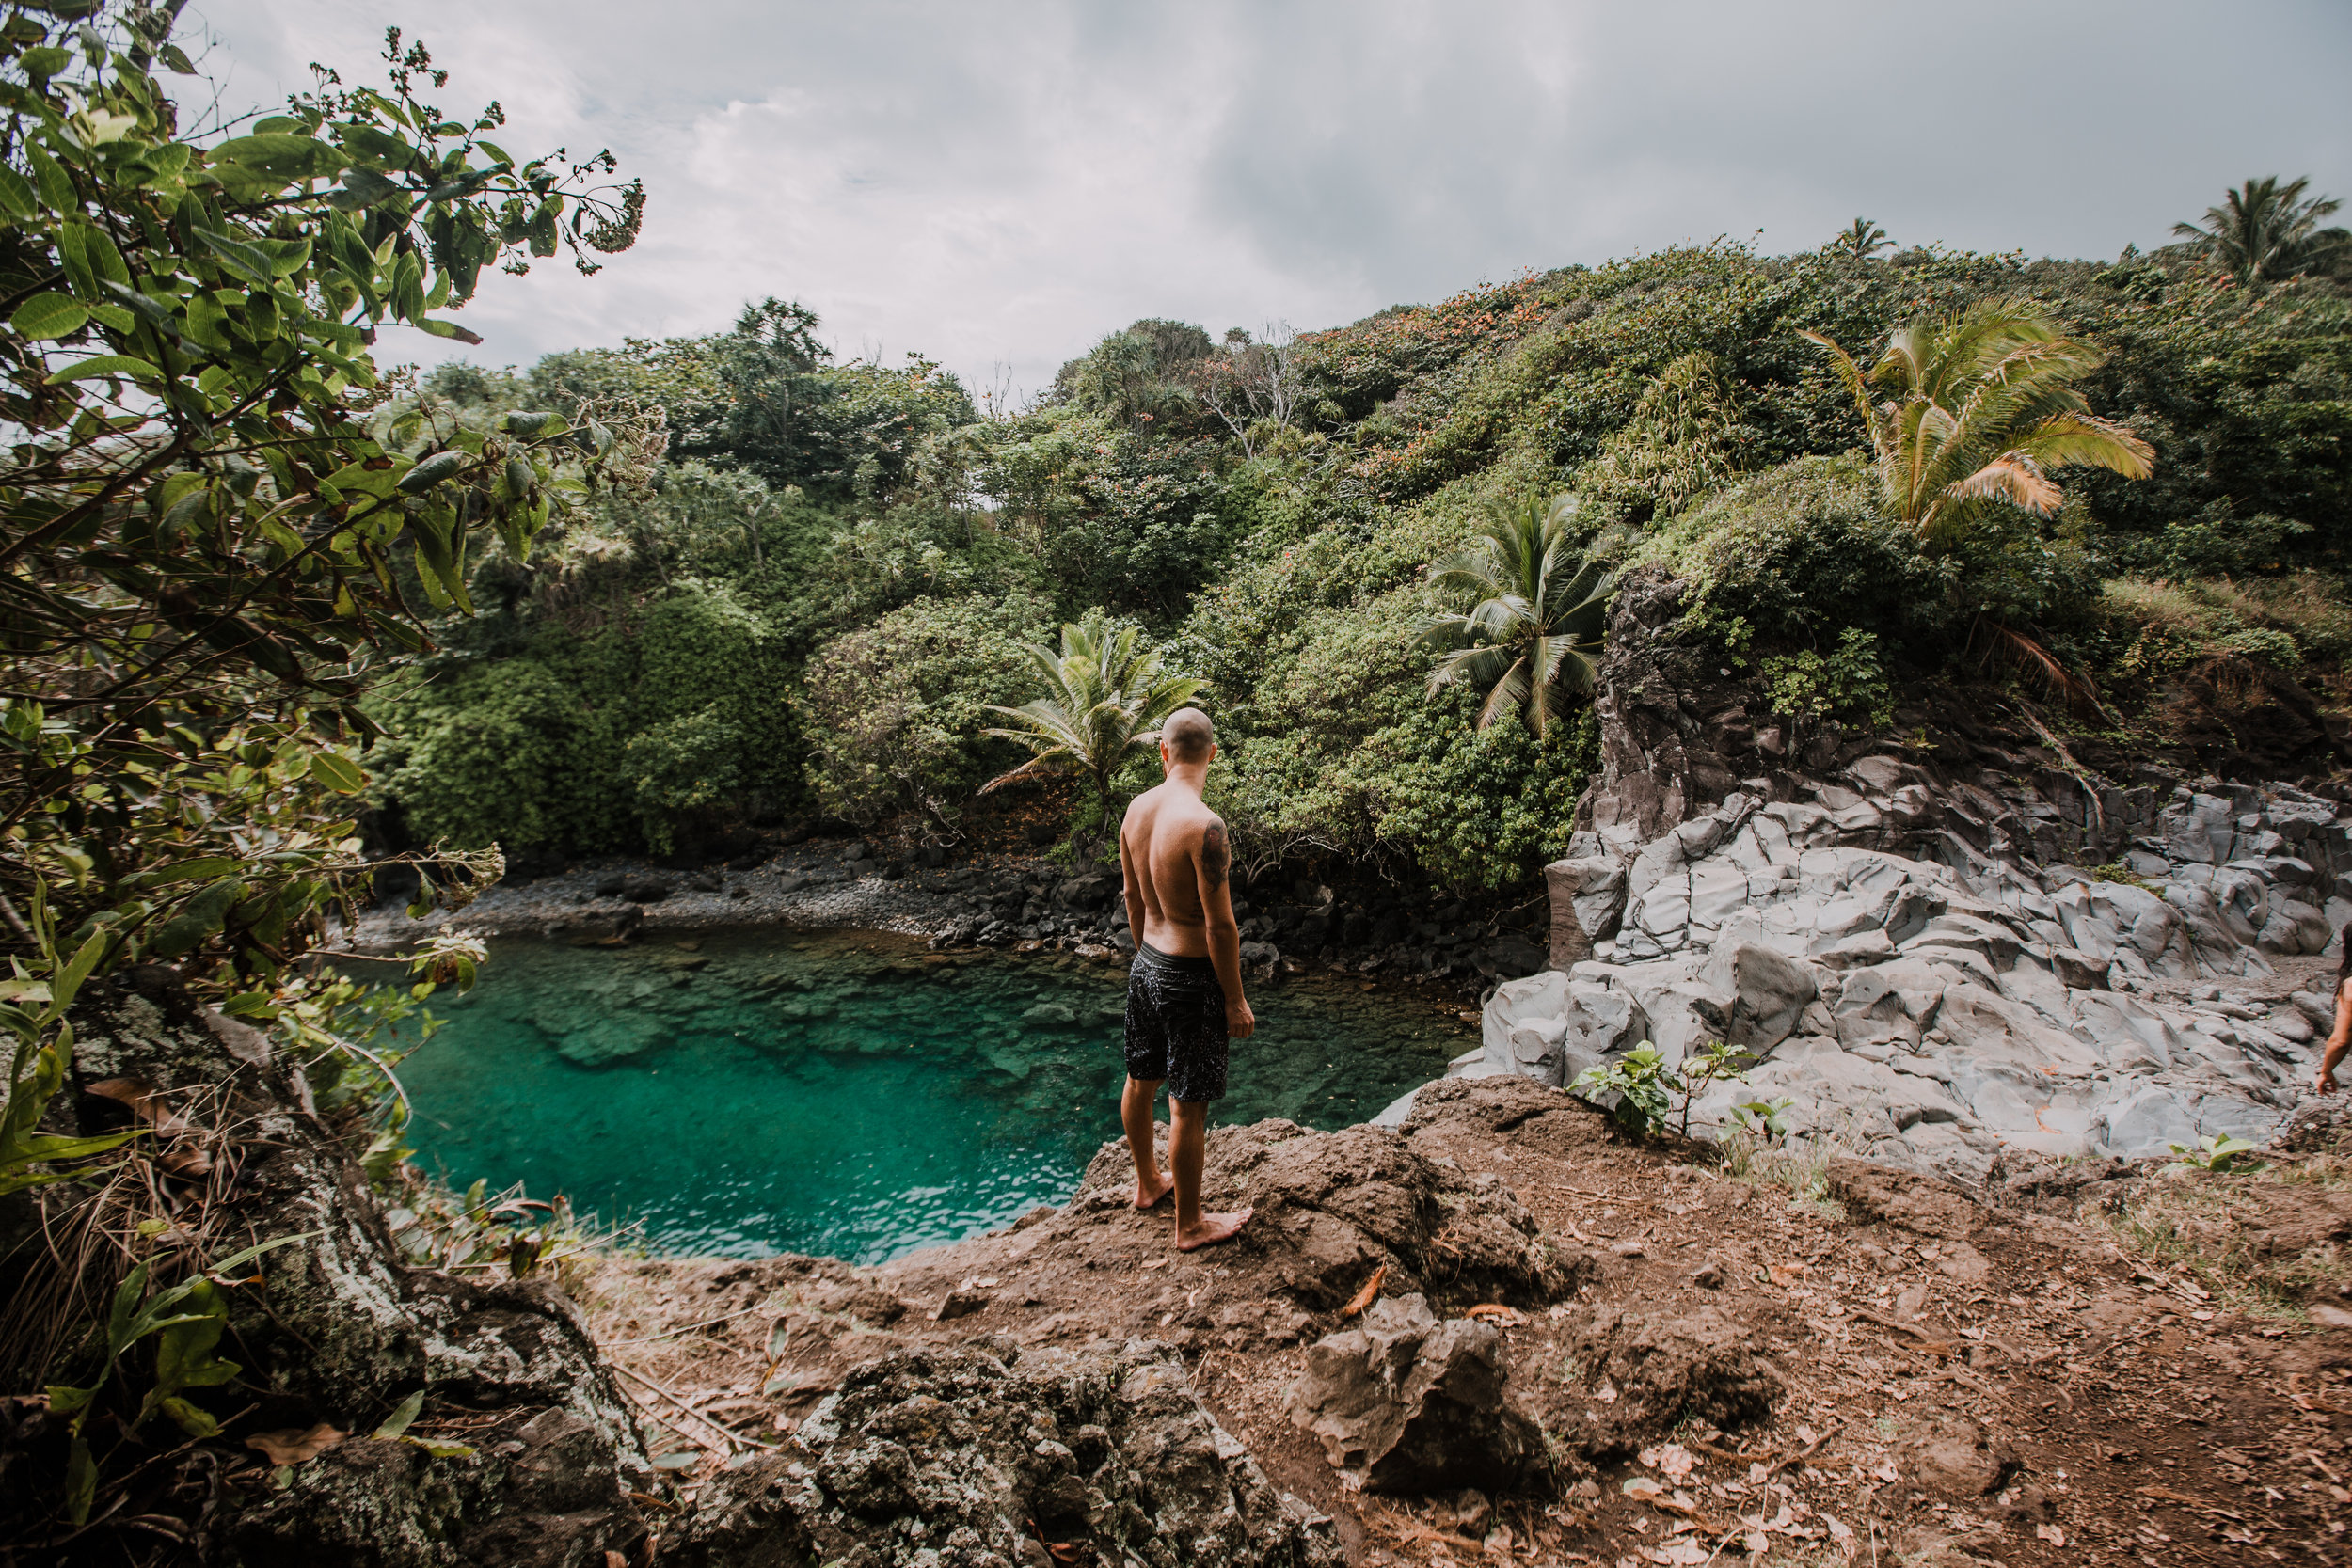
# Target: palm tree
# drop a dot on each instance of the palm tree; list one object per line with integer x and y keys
{"x": 1537, "y": 623}
{"x": 1105, "y": 701}
{"x": 1863, "y": 238}
{"x": 1979, "y": 411}
{"x": 2265, "y": 232}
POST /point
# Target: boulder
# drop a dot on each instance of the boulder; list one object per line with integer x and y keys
{"x": 1663, "y": 1370}
{"x": 1414, "y": 1405}
{"x": 342, "y": 1331}
{"x": 1765, "y": 993}
{"x": 956, "y": 1455}
{"x": 1333, "y": 1207}
{"x": 1587, "y": 900}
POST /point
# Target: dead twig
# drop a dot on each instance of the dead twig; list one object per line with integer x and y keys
{"x": 1800, "y": 1455}
{"x": 725, "y": 1434}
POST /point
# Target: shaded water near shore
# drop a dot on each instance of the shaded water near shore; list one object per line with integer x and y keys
{"x": 843, "y": 1094}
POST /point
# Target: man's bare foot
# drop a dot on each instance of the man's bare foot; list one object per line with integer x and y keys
{"x": 1212, "y": 1230}
{"x": 1155, "y": 1193}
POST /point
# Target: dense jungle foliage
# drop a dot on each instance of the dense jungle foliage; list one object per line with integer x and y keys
{"x": 839, "y": 562}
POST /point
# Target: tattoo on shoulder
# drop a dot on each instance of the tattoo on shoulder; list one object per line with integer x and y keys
{"x": 1215, "y": 858}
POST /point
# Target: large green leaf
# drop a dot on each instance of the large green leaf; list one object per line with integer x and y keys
{"x": 49, "y": 315}
{"x": 106, "y": 365}
{"x": 281, "y": 157}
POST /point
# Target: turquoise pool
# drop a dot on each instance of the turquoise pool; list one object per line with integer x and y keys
{"x": 843, "y": 1094}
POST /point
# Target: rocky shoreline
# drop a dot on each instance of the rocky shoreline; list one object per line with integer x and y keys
{"x": 1027, "y": 903}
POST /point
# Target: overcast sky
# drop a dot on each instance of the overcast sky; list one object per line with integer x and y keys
{"x": 998, "y": 184}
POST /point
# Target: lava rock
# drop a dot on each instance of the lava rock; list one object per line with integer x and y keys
{"x": 1416, "y": 1405}
{"x": 1332, "y": 1207}
{"x": 946, "y": 1456}
{"x": 639, "y": 888}
{"x": 1663, "y": 1369}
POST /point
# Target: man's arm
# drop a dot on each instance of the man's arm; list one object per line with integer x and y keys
{"x": 1134, "y": 887}
{"x": 2338, "y": 1040}
{"x": 1216, "y": 913}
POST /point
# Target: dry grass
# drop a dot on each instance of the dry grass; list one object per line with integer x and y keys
{"x": 2202, "y": 617}
{"x": 2213, "y": 1226}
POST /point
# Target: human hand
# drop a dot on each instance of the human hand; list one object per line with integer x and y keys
{"x": 1240, "y": 1022}
{"x": 2324, "y": 1082}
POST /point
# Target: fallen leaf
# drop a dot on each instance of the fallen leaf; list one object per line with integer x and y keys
{"x": 1508, "y": 1317}
{"x": 2051, "y": 1533}
{"x": 1642, "y": 1488}
{"x": 1806, "y": 1436}
{"x": 294, "y": 1445}
{"x": 1674, "y": 1460}
{"x": 1839, "y": 1531}
{"x": 1785, "y": 1273}
{"x": 1362, "y": 1301}
{"x": 1886, "y": 1472}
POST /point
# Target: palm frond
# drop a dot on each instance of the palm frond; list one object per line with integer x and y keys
{"x": 2012, "y": 478}
{"x": 2087, "y": 440}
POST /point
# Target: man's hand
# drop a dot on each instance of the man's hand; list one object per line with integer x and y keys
{"x": 2322, "y": 1082}
{"x": 1240, "y": 1022}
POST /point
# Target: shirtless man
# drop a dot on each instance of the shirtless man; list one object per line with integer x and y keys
{"x": 1184, "y": 994}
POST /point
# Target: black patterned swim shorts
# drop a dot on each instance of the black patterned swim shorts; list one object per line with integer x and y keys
{"x": 1176, "y": 1025}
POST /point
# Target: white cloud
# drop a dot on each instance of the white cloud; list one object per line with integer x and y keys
{"x": 1005, "y": 183}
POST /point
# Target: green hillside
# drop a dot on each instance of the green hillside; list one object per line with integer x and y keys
{"x": 832, "y": 568}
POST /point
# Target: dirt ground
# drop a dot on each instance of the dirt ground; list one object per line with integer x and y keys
{"x": 2112, "y": 1365}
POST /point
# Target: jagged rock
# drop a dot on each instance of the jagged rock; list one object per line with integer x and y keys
{"x": 1766, "y": 992}
{"x": 1332, "y": 1207}
{"x": 1415, "y": 1406}
{"x": 927, "y": 1458}
{"x": 341, "y": 1331}
{"x": 1663, "y": 1370}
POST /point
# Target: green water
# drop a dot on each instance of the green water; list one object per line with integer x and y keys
{"x": 843, "y": 1094}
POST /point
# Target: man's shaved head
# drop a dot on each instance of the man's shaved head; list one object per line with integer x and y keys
{"x": 1188, "y": 735}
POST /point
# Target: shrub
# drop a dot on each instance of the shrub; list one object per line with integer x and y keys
{"x": 1803, "y": 550}
{"x": 1807, "y": 686}
{"x": 893, "y": 713}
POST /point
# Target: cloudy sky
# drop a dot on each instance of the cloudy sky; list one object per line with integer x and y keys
{"x": 998, "y": 184}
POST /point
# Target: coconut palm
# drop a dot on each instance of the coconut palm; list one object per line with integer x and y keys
{"x": 1861, "y": 238}
{"x": 1105, "y": 701}
{"x": 1978, "y": 411}
{"x": 1536, "y": 625}
{"x": 2265, "y": 231}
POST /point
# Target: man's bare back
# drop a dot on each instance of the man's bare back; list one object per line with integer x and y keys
{"x": 1184, "y": 990}
{"x": 1173, "y": 843}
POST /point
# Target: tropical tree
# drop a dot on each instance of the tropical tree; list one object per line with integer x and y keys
{"x": 1860, "y": 238}
{"x": 2265, "y": 231}
{"x": 1105, "y": 699}
{"x": 1539, "y": 613}
{"x": 218, "y": 527}
{"x": 1977, "y": 413}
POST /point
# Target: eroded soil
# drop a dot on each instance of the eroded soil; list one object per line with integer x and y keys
{"x": 2078, "y": 1373}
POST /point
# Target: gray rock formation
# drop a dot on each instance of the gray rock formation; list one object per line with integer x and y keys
{"x": 983, "y": 1456}
{"x": 1411, "y": 1404}
{"x": 1929, "y": 1002}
